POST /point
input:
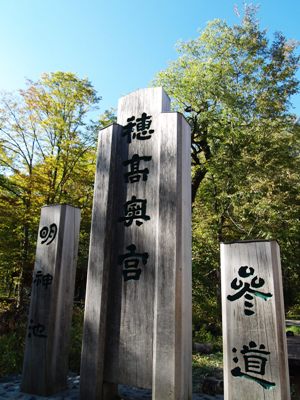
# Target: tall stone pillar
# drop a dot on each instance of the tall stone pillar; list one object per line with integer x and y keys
{"x": 45, "y": 365}
{"x": 138, "y": 328}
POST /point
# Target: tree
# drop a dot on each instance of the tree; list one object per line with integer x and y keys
{"x": 234, "y": 88}
{"x": 46, "y": 147}
{"x": 230, "y": 80}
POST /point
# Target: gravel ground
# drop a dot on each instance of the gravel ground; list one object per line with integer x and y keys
{"x": 10, "y": 389}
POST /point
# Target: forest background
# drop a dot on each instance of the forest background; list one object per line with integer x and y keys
{"x": 234, "y": 86}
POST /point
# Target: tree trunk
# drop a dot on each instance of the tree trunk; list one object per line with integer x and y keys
{"x": 196, "y": 181}
{"x": 24, "y": 267}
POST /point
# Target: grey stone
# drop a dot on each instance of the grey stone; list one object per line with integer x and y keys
{"x": 7, "y": 385}
{"x": 45, "y": 367}
{"x": 125, "y": 392}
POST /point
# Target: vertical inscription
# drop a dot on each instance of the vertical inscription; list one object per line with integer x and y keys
{"x": 135, "y": 210}
{"x": 255, "y": 355}
{"x": 45, "y": 365}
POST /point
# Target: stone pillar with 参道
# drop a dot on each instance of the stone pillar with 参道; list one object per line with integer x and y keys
{"x": 254, "y": 342}
{"x": 137, "y": 325}
{"x": 45, "y": 364}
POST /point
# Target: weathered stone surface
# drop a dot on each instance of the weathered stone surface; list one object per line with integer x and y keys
{"x": 135, "y": 328}
{"x": 47, "y": 340}
{"x": 72, "y": 392}
{"x": 254, "y": 342}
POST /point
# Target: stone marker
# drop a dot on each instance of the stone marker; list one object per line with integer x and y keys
{"x": 45, "y": 365}
{"x": 254, "y": 342}
{"x": 137, "y": 327}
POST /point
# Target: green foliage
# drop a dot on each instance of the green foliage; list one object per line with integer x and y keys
{"x": 205, "y": 336}
{"x": 234, "y": 87}
{"x": 295, "y": 329}
{"x": 206, "y": 285}
{"x": 76, "y": 339}
{"x": 12, "y": 349}
{"x": 206, "y": 365}
{"x": 47, "y": 156}
{"x": 107, "y": 118}
{"x": 12, "y": 338}
{"x": 294, "y": 312}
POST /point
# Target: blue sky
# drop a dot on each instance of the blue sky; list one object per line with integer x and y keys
{"x": 118, "y": 44}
